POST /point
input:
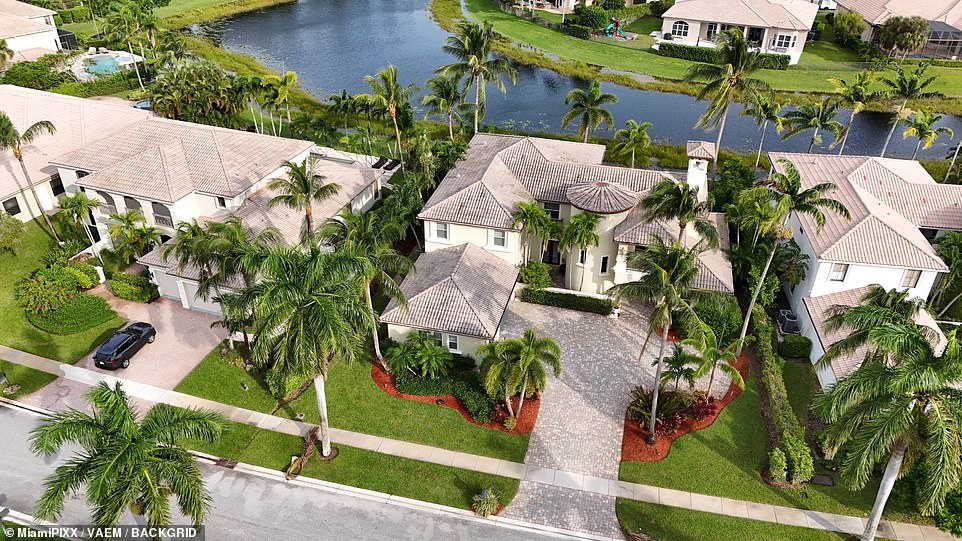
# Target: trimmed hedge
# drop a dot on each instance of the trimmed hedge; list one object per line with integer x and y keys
{"x": 81, "y": 312}
{"x": 577, "y": 31}
{"x": 567, "y": 300}
{"x": 132, "y": 287}
{"x": 710, "y": 56}
{"x": 85, "y": 273}
{"x": 77, "y": 14}
{"x": 466, "y": 388}
{"x": 795, "y": 346}
{"x": 535, "y": 275}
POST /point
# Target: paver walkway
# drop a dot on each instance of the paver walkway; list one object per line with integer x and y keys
{"x": 557, "y": 489}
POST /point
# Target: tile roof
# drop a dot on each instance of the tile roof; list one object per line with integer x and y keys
{"x": 844, "y": 365}
{"x": 888, "y": 200}
{"x": 601, "y": 197}
{"x": 714, "y": 268}
{"x": 791, "y": 14}
{"x": 12, "y": 26}
{"x": 499, "y": 171}
{"x": 701, "y": 150}
{"x": 23, "y": 9}
{"x": 165, "y": 160}
{"x": 878, "y": 11}
{"x": 462, "y": 289}
{"x": 79, "y": 122}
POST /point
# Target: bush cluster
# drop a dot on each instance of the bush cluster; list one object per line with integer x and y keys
{"x": 101, "y": 86}
{"x": 60, "y": 253}
{"x": 80, "y": 312}
{"x": 132, "y": 287}
{"x": 535, "y": 275}
{"x": 466, "y": 388}
{"x": 593, "y": 16}
{"x": 566, "y": 300}
{"x": 724, "y": 318}
{"x": 710, "y": 56}
{"x": 777, "y": 464}
{"x": 795, "y": 346}
{"x": 39, "y": 74}
{"x": 659, "y": 7}
{"x": 85, "y": 273}
{"x": 798, "y": 456}
{"x": 673, "y": 408}
{"x": 576, "y": 30}
{"x": 77, "y": 14}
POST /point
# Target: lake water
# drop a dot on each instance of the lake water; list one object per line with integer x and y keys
{"x": 333, "y": 44}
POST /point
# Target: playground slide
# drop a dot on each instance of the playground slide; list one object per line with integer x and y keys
{"x": 608, "y": 29}
{"x": 622, "y": 34}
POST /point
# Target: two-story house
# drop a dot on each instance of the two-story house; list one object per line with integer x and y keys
{"x": 29, "y": 30}
{"x": 470, "y": 214}
{"x": 895, "y": 209}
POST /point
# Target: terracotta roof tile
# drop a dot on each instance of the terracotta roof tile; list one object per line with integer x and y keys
{"x": 793, "y": 14}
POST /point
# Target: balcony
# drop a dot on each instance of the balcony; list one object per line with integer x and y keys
{"x": 165, "y": 221}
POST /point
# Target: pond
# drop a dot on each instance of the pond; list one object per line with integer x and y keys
{"x": 333, "y": 44}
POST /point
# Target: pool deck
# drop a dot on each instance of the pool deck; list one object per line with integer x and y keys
{"x": 123, "y": 59}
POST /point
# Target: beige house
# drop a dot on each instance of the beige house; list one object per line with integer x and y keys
{"x": 769, "y": 26}
{"x": 944, "y": 16}
{"x": 29, "y": 30}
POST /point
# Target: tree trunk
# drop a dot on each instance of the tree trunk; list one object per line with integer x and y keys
{"x": 451, "y": 124}
{"x": 888, "y": 481}
{"x": 93, "y": 248}
{"x": 397, "y": 134}
{"x": 324, "y": 431}
{"x": 811, "y": 145}
{"x": 416, "y": 239}
{"x": 895, "y": 123}
{"x": 507, "y": 402}
{"x": 584, "y": 271}
{"x": 758, "y": 159}
{"x": 632, "y": 158}
{"x": 711, "y": 378}
{"x": 681, "y": 234}
{"x": 524, "y": 389}
{"x": 652, "y": 438}
{"x": 36, "y": 197}
{"x": 721, "y": 130}
{"x": 585, "y": 126}
{"x": 477, "y": 100}
{"x": 848, "y": 129}
{"x": 751, "y": 305}
{"x": 955, "y": 156}
{"x": 136, "y": 70}
{"x": 309, "y": 218}
{"x": 949, "y": 305}
{"x": 916, "y": 153}
{"x": 377, "y": 342}
{"x": 253, "y": 117}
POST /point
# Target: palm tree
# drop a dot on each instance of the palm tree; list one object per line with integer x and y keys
{"x": 787, "y": 196}
{"x": 631, "y": 139}
{"x": 130, "y": 234}
{"x": 711, "y": 357}
{"x": 534, "y": 220}
{"x": 343, "y": 105}
{"x": 300, "y": 189}
{"x": 13, "y": 140}
{"x": 667, "y": 279}
{"x": 856, "y": 94}
{"x": 581, "y": 233}
{"x": 309, "y": 311}
{"x": 6, "y": 53}
{"x": 814, "y": 116}
{"x": 589, "y": 107}
{"x": 922, "y": 125}
{"x": 233, "y": 250}
{"x": 126, "y": 462}
{"x": 78, "y": 207}
{"x": 904, "y": 413}
{"x": 533, "y": 354}
{"x": 285, "y": 84}
{"x": 371, "y": 240}
{"x": 191, "y": 247}
{"x": 671, "y": 200}
{"x": 678, "y": 366}
{"x": 727, "y": 80}
{"x": 500, "y": 373}
{"x": 388, "y": 93}
{"x": 765, "y": 109}
{"x": 444, "y": 99}
{"x": 907, "y": 86}
{"x": 471, "y": 44}
{"x": 122, "y": 26}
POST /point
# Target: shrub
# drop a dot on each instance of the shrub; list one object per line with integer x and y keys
{"x": 535, "y": 275}
{"x": 567, "y": 300}
{"x": 41, "y": 74}
{"x": 777, "y": 464}
{"x": 710, "y": 56}
{"x": 80, "y": 14}
{"x": 724, "y": 318}
{"x": 60, "y": 253}
{"x": 81, "y": 312}
{"x": 848, "y": 26}
{"x": 101, "y": 86}
{"x": 86, "y": 274}
{"x": 799, "y": 459}
{"x": 65, "y": 15}
{"x": 577, "y": 31}
{"x": 132, "y": 287}
{"x": 486, "y": 503}
{"x": 660, "y": 7}
{"x": 612, "y": 5}
{"x": 672, "y": 406}
{"x": 11, "y": 233}
{"x": 61, "y": 276}
{"x": 766, "y": 297}
{"x": 949, "y": 516}
{"x": 420, "y": 355}
{"x": 510, "y": 423}
{"x": 795, "y": 346}
{"x": 40, "y": 295}
{"x": 593, "y": 17}
{"x": 466, "y": 388}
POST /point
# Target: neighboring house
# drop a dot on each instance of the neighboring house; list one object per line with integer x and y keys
{"x": 896, "y": 208}
{"x": 79, "y": 122}
{"x": 29, "y": 30}
{"x": 475, "y": 202}
{"x": 769, "y": 26}
{"x": 944, "y": 16}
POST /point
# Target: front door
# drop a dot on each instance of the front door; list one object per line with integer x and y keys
{"x": 755, "y": 36}
{"x": 552, "y": 255}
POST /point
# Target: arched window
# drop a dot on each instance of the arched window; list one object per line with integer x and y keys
{"x": 680, "y": 28}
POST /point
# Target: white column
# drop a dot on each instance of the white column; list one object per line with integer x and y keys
{"x": 182, "y": 291}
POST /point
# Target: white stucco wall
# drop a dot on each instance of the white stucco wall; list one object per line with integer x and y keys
{"x": 182, "y": 290}
{"x": 698, "y": 36}
{"x": 48, "y": 39}
{"x": 467, "y": 345}
{"x": 594, "y": 280}
{"x": 479, "y": 236}
{"x": 28, "y": 206}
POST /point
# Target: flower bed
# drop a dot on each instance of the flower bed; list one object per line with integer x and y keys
{"x": 529, "y": 413}
{"x": 634, "y": 447}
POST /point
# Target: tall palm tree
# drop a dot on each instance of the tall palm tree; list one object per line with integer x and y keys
{"x": 471, "y": 44}
{"x": 787, "y": 196}
{"x": 285, "y": 85}
{"x": 631, "y": 139}
{"x": 13, "y": 140}
{"x": 581, "y": 233}
{"x": 309, "y": 311}
{"x": 535, "y": 354}
{"x": 131, "y": 235}
{"x": 191, "y": 247}
{"x": 905, "y": 413}
{"x": 126, "y": 462}
{"x": 667, "y": 280}
{"x": 388, "y": 93}
{"x": 589, "y": 108}
{"x": 534, "y": 221}
{"x": 765, "y": 109}
{"x": 671, "y": 200}
{"x": 922, "y": 125}
{"x": 907, "y": 86}
{"x": 234, "y": 250}
{"x": 6, "y": 53}
{"x": 370, "y": 239}
{"x": 500, "y": 373}
{"x": 679, "y": 365}
{"x": 78, "y": 207}
{"x": 344, "y": 105}
{"x": 814, "y": 116}
{"x": 711, "y": 356}
{"x": 122, "y": 25}
{"x": 300, "y": 189}
{"x": 857, "y": 94}
{"x": 727, "y": 80}
{"x": 444, "y": 98}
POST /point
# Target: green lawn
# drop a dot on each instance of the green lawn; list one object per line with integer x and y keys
{"x": 663, "y": 523}
{"x": 423, "y": 481}
{"x": 28, "y": 379}
{"x": 725, "y": 460}
{"x": 181, "y": 13}
{"x": 802, "y": 384}
{"x": 355, "y": 403}
{"x": 16, "y": 331}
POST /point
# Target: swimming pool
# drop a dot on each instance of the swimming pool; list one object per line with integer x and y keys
{"x": 101, "y": 64}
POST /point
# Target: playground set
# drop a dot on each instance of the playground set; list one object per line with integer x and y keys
{"x": 613, "y": 30}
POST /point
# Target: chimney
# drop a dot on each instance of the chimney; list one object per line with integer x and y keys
{"x": 699, "y": 154}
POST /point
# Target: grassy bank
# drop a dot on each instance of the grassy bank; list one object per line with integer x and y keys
{"x": 183, "y": 13}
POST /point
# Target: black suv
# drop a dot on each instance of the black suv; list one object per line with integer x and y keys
{"x": 123, "y": 344}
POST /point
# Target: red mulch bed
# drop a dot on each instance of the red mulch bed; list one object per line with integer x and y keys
{"x": 634, "y": 447}
{"x": 529, "y": 413}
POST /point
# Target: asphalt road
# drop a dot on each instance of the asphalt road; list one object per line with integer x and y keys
{"x": 247, "y": 506}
